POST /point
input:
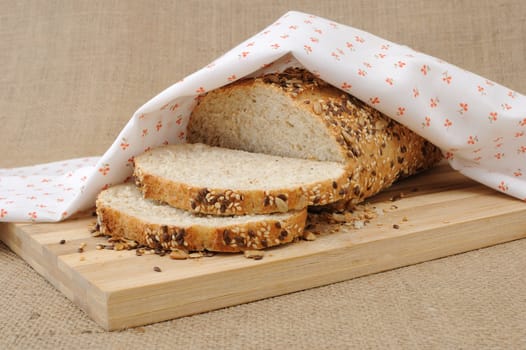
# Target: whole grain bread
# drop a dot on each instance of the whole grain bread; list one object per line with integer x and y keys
{"x": 123, "y": 212}
{"x": 220, "y": 181}
{"x": 295, "y": 114}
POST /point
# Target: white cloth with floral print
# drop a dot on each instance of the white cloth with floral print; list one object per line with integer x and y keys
{"x": 479, "y": 125}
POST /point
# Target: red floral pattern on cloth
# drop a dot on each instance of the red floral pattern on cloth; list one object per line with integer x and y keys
{"x": 479, "y": 125}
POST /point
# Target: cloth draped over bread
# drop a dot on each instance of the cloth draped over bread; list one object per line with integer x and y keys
{"x": 479, "y": 125}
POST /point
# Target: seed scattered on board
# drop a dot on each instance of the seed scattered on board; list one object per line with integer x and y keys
{"x": 81, "y": 247}
{"x": 254, "y": 254}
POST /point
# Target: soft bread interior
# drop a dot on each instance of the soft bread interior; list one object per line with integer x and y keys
{"x": 280, "y": 128}
{"x": 199, "y": 165}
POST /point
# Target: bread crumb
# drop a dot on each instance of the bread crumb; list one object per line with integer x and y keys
{"x": 358, "y": 224}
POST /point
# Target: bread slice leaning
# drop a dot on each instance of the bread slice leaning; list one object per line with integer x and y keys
{"x": 220, "y": 181}
{"x": 123, "y": 212}
{"x": 296, "y": 114}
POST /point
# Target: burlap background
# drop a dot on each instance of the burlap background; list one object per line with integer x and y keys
{"x": 73, "y": 72}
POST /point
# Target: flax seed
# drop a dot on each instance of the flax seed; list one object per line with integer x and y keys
{"x": 254, "y": 254}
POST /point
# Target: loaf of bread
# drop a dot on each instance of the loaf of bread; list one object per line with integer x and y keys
{"x": 221, "y": 181}
{"x": 276, "y": 143}
{"x": 123, "y": 212}
{"x": 294, "y": 114}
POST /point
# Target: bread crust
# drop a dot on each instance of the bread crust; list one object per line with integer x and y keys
{"x": 376, "y": 149}
{"x": 254, "y": 235}
{"x": 225, "y": 201}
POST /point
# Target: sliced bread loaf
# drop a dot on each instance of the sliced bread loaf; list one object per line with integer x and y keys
{"x": 295, "y": 114}
{"x": 123, "y": 212}
{"x": 220, "y": 181}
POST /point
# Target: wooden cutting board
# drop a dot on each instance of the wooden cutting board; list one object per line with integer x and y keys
{"x": 435, "y": 214}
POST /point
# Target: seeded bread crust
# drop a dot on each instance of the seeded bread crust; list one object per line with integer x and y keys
{"x": 231, "y": 201}
{"x": 260, "y": 233}
{"x": 376, "y": 149}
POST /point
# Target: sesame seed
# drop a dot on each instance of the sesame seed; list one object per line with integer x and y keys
{"x": 281, "y": 204}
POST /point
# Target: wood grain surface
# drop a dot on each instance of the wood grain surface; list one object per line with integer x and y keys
{"x": 435, "y": 214}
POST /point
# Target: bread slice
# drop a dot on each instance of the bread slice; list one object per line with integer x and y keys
{"x": 295, "y": 114}
{"x": 220, "y": 181}
{"x": 123, "y": 212}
